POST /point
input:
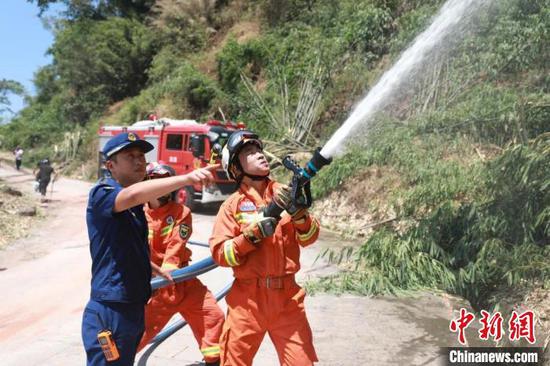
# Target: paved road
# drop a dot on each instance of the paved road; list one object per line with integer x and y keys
{"x": 45, "y": 286}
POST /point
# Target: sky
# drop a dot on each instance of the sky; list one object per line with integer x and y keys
{"x": 23, "y": 45}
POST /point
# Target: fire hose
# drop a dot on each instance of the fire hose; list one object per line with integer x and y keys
{"x": 300, "y": 198}
{"x": 180, "y": 275}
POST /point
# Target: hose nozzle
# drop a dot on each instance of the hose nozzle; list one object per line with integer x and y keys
{"x": 300, "y": 183}
{"x": 317, "y": 162}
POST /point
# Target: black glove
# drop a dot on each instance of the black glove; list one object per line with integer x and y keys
{"x": 282, "y": 197}
{"x": 300, "y": 215}
{"x": 260, "y": 229}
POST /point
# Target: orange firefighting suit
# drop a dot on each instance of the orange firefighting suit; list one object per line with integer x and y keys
{"x": 264, "y": 297}
{"x": 169, "y": 229}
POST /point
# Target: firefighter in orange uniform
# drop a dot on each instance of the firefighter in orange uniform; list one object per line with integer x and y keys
{"x": 169, "y": 229}
{"x": 264, "y": 255}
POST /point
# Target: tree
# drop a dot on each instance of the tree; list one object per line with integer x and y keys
{"x": 99, "y": 9}
{"x": 100, "y": 62}
{"x": 46, "y": 83}
{"x": 6, "y": 87}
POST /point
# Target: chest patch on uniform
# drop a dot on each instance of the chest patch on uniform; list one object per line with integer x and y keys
{"x": 184, "y": 231}
{"x": 247, "y": 206}
{"x": 169, "y": 220}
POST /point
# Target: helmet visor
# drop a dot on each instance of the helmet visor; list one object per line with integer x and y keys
{"x": 243, "y": 139}
{"x": 159, "y": 171}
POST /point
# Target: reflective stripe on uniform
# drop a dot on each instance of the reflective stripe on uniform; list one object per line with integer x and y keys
{"x": 310, "y": 233}
{"x": 229, "y": 253}
{"x": 166, "y": 230}
{"x": 210, "y": 351}
{"x": 169, "y": 266}
{"x": 150, "y": 234}
{"x": 245, "y": 218}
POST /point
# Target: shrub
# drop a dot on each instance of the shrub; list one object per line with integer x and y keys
{"x": 498, "y": 238}
{"x": 234, "y": 59}
{"x": 183, "y": 25}
{"x": 366, "y": 27}
{"x": 191, "y": 87}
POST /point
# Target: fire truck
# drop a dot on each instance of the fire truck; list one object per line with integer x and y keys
{"x": 185, "y": 145}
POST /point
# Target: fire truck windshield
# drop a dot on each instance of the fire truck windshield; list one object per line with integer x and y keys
{"x": 218, "y": 135}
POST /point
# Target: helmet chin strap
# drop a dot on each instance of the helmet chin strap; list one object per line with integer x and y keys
{"x": 164, "y": 199}
{"x": 256, "y": 177}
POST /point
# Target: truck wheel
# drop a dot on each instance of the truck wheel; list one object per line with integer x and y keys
{"x": 185, "y": 196}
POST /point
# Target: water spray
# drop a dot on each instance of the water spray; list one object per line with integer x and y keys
{"x": 452, "y": 13}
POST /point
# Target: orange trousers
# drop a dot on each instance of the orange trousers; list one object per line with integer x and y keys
{"x": 255, "y": 307}
{"x": 198, "y": 307}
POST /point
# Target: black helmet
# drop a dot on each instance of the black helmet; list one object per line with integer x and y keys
{"x": 230, "y": 152}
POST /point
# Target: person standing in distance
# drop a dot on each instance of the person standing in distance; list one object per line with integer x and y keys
{"x": 18, "y": 152}
{"x": 113, "y": 319}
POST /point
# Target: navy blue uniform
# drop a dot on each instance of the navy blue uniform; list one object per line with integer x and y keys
{"x": 121, "y": 274}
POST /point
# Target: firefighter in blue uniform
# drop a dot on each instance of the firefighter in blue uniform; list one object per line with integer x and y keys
{"x": 113, "y": 320}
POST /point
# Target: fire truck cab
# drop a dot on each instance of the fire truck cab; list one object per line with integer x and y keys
{"x": 184, "y": 145}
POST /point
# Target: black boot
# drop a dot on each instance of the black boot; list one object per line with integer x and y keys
{"x": 213, "y": 363}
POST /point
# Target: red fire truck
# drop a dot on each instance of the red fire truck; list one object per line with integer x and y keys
{"x": 184, "y": 145}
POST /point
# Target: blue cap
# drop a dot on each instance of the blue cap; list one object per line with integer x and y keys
{"x": 125, "y": 141}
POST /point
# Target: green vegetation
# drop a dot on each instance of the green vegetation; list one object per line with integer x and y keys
{"x": 472, "y": 218}
{"x": 467, "y": 139}
{"x": 468, "y": 229}
{"x": 6, "y": 87}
